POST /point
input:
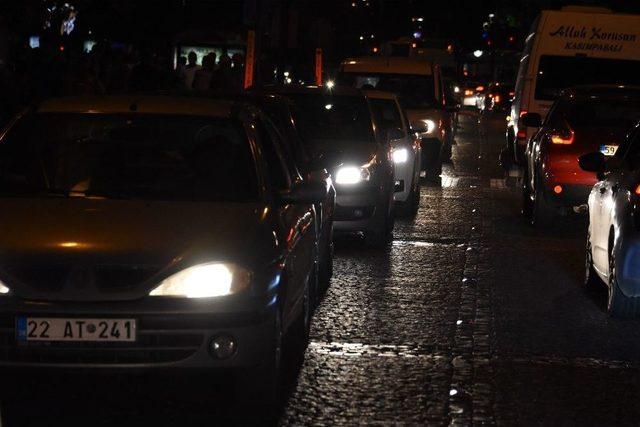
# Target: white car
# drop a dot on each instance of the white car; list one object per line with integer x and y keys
{"x": 613, "y": 242}
{"x": 392, "y": 125}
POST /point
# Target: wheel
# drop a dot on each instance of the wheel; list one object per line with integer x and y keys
{"x": 542, "y": 213}
{"x": 527, "y": 203}
{"x": 591, "y": 278}
{"x": 410, "y": 207}
{"x": 326, "y": 264}
{"x": 618, "y": 305}
{"x": 302, "y": 327}
{"x": 260, "y": 386}
{"x": 380, "y": 236}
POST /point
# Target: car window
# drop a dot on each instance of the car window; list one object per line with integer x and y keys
{"x": 630, "y": 149}
{"x": 332, "y": 120}
{"x": 556, "y": 73}
{"x": 138, "y": 156}
{"x": 274, "y": 158}
{"x": 415, "y": 90}
{"x": 386, "y": 115}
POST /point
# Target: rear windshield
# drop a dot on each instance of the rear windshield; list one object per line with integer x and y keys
{"x": 556, "y": 73}
{"x": 415, "y": 91}
{"x": 619, "y": 113}
{"x": 151, "y": 157}
{"x": 332, "y": 119}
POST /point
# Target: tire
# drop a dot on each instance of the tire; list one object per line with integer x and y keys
{"x": 542, "y": 213}
{"x": 325, "y": 272}
{"x": 302, "y": 327}
{"x": 618, "y": 305}
{"x": 409, "y": 208}
{"x": 527, "y": 203}
{"x": 380, "y": 236}
{"x": 591, "y": 279}
{"x": 261, "y": 386}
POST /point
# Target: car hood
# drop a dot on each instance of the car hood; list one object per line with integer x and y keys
{"x": 331, "y": 154}
{"x": 45, "y": 241}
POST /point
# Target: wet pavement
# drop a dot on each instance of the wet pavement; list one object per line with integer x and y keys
{"x": 470, "y": 317}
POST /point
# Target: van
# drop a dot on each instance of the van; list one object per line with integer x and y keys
{"x": 419, "y": 86}
{"x": 573, "y": 46}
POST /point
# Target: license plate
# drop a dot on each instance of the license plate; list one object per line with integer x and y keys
{"x": 608, "y": 150}
{"x": 62, "y": 329}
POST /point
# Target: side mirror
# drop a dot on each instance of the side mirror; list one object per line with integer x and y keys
{"x": 419, "y": 126}
{"x": 307, "y": 192}
{"x": 593, "y": 162}
{"x": 532, "y": 120}
{"x": 394, "y": 134}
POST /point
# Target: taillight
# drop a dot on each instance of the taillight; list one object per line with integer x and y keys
{"x": 563, "y": 138}
{"x": 637, "y": 190}
{"x": 522, "y": 134}
{"x": 468, "y": 92}
{"x": 523, "y": 112}
{"x": 512, "y": 94}
{"x": 496, "y": 98}
{"x": 479, "y": 88}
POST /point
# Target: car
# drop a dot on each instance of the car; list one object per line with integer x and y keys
{"x": 419, "y": 85}
{"x": 573, "y": 46}
{"x": 392, "y": 124}
{"x": 279, "y": 110}
{"x": 613, "y": 238}
{"x": 470, "y": 92}
{"x": 583, "y": 119}
{"x": 148, "y": 232}
{"x": 497, "y": 98}
{"x": 336, "y": 126}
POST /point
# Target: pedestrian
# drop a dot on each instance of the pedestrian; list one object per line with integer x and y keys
{"x": 203, "y": 77}
{"x": 190, "y": 70}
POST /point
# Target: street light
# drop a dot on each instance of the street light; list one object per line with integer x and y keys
{"x": 478, "y": 53}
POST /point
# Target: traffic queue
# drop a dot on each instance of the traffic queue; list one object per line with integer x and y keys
{"x": 192, "y": 230}
{"x": 573, "y": 131}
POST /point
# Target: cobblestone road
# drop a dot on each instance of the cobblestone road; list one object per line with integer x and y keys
{"x": 470, "y": 317}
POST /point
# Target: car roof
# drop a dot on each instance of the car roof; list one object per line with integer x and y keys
{"x": 145, "y": 104}
{"x": 602, "y": 92}
{"x": 391, "y": 65}
{"x": 300, "y": 90}
{"x": 379, "y": 94}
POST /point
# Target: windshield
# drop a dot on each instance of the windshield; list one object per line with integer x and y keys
{"x": 556, "y": 73}
{"x": 619, "y": 113}
{"x": 151, "y": 157}
{"x": 338, "y": 119}
{"x": 415, "y": 91}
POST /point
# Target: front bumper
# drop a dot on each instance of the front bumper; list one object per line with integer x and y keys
{"x": 357, "y": 207}
{"x": 170, "y": 334}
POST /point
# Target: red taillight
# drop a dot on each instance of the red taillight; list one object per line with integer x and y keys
{"x": 512, "y": 94}
{"x": 479, "y": 88}
{"x": 496, "y": 98}
{"x": 564, "y": 138}
{"x": 637, "y": 190}
{"x": 522, "y": 134}
{"x": 523, "y": 112}
{"x": 468, "y": 92}
{"x": 557, "y": 189}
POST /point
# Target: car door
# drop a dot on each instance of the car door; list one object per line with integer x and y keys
{"x": 609, "y": 193}
{"x": 296, "y": 222}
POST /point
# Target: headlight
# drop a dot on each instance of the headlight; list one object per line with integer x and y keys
{"x": 3, "y": 289}
{"x": 205, "y": 281}
{"x": 431, "y": 125}
{"x": 401, "y": 155}
{"x": 352, "y": 175}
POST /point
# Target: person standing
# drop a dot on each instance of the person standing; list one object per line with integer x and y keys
{"x": 190, "y": 70}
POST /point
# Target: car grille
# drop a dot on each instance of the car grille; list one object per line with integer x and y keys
{"x": 352, "y": 213}
{"x": 152, "y": 346}
{"x": 107, "y": 278}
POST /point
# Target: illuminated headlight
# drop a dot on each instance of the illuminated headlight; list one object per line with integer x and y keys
{"x": 205, "y": 281}
{"x": 3, "y": 289}
{"x": 352, "y": 175}
{"x": 456, "y": 89}
{"x": 401, "y": 155}
{"x": 431, "y": 125}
